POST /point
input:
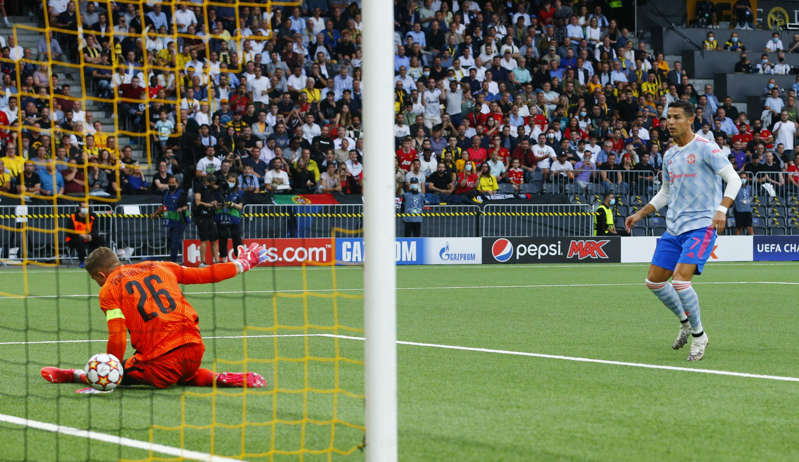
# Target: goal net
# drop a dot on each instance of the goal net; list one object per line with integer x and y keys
{"x": 299, "y": 327}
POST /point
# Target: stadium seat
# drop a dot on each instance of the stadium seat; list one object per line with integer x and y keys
{"x": 658, "y": 230}
{"x": 761, "y": 230}
{"x": 531, "y": 188}
{"x": 639, "y": 231}
{"x": 506, "y": 188}
{"x": 594, "y": 188}
{"x": 621, "y": 211}
{"x": 778, "y": 231}
{"x": 758, "y": 221}
{"x": 551, "y": 188}
{"x": 777, "y": 222}
{"x": 775, "y": 211}
{"x": 656, "y": 221}
{"x": 775, "y": 201}
{"x": 730, "y": 222}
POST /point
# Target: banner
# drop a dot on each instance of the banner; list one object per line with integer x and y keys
{"x": 304, "y": 199}
{"x": 639, "y": 249}
{"x": 776, "y": 248}
{"x": 280, "y": 252}
{"x": 551, "y": 250}
{"x": 408, "y": 251}
{"x": 453, "y": 251}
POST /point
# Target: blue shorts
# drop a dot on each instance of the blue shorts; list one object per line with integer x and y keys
{"x": 691, "y": 247}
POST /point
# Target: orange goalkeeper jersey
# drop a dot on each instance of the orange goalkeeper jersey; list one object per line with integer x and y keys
{"x": 157, "y": 315}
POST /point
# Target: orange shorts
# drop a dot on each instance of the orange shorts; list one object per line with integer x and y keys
{"x": 177, "y": 366}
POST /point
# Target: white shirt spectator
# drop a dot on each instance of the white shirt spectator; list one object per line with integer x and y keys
{"x": 508, "y": 64}
{"x": 428, "y": 168}
{"x": 401, "y": 131}
{"x": 354, "y": 168}
{"x": 259, "y": 89}
{"x": 184, "y": 19}
{"x": 775, "y": 44}
{"x": 785, "y": 133}
{"x": 544, "y": 154}
{"x": 206, "y": 165}
{"x": 337, "y": 143}
{"x": 297, "y": 82}
{"x": 279, "y": 180}
{"x": 58, "y": 6}
{"x": 309, "y": 131}
{"x": 16, "y": 53}
{"x": 420, "y": 176}
{"x": 432, "y": 102}
{"x": 562, "y": 168}
{"x": 618, "y": 76}
{"x": 202, "y": 118}
{"x": 782, "y": 69}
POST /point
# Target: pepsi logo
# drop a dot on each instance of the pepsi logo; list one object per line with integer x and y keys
{"x": 502, "y": 250}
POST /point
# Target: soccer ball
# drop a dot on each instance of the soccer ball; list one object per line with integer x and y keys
{"x": 104, "y": 371}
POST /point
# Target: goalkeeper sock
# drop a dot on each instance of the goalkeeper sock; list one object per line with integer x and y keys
{"x": 690, "y": 302}
{"x": 666, "y": 293}
{"x": 202, "y": 378}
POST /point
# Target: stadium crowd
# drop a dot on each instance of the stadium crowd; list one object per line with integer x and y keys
{"x": 491, "y": 98}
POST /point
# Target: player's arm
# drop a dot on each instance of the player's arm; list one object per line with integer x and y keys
{"x": 248, "y": 258}
{"x": 117, "y": 333}
{"x": 728, "y": 174}
{"x": 660, "y": 200}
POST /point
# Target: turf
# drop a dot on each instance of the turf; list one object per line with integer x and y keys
{"x": 453, "y": 404}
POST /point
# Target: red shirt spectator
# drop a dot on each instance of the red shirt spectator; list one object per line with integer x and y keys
{"x": 477, "y": 154}
{"x": 406, "y": 155}
{"x": 467, "y": 181}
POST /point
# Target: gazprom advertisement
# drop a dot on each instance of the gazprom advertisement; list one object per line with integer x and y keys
{"x": 417, "y": 251}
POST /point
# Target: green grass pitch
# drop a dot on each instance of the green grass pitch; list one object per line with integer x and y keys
{"x": 454, "y": 405}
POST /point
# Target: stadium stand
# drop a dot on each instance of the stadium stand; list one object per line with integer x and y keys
{"x": 277, "y": 94}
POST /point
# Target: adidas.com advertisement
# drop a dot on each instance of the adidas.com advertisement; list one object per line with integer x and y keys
{"x": 551, "y": 250}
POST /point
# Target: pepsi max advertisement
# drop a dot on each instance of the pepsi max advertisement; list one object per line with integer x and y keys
{"x": 605, "y": 249}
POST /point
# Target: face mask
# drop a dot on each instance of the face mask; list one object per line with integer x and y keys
{"x": 231, "y": 184}
{"x": 735, "y": 39}
{"x": 744, "y": 180}
{"x": 775, "y": 40}
{"x": 426, "y": 73}
{"x": 583, "y": 114}
{"x": 711, "y": 38}
{"x": 612, "y": 202}
{"x": 468, "y": 167}
{"x": 84, "y": 210}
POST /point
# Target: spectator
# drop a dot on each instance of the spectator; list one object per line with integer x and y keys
{"x": 742, "y": 208}
{"x": 82, "y": 232}
{"x": 785, "y": 134}
{"x": 775, "y": 44}
{"x": 412, "y": 208}
{"x": 276, "y": 180}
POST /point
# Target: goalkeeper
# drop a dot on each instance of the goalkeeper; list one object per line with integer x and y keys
{"x": 145, "y": 300}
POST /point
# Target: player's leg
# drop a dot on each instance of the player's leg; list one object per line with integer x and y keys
{"x": 188, "y": 359}
{"x": 667, "y": 253}
{"x": 57, "y": 375}
{"x": 235, "y": 235}
{"x": 697, "y": 247}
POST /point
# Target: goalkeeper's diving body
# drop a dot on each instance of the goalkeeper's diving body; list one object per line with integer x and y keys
{"x": 697, "y": 211}
{"x": 145, "y": 300}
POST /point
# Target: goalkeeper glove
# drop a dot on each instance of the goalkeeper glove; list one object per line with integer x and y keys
{"x": 250, "y": 257}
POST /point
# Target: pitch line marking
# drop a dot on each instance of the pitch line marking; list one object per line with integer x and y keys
{"x": 358, "y": 289}
{"x": 586, "y": 360}
{"x": 114, "y": 439}
{"x": 579, "y": 359}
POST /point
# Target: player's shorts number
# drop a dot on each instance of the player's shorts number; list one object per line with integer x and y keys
{"x": 151, "y": 291}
